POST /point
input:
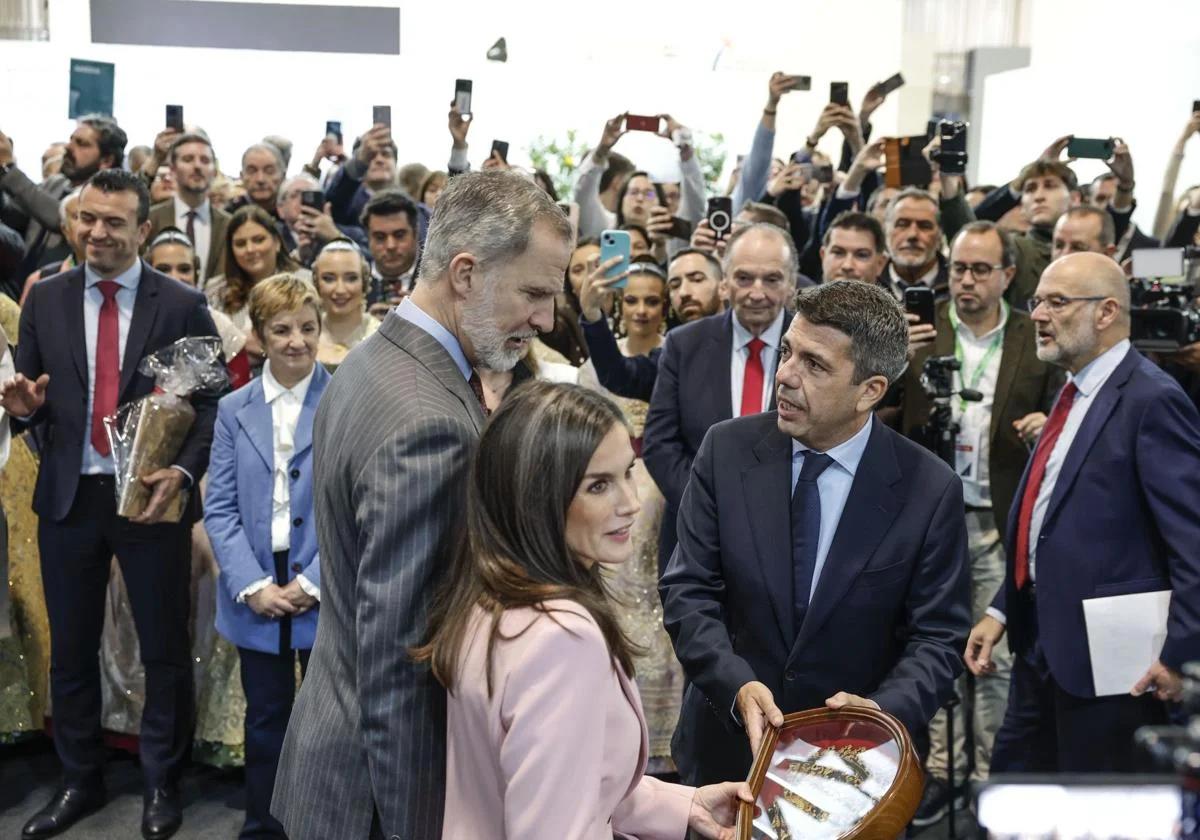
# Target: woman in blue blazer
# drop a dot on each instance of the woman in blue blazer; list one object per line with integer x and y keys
{"x": 259, "y": 516}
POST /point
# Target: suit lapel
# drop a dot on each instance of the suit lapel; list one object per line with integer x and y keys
{"x": 429, "y": 352}
{"x": 256, "y": 418}
{"x": 216, "y": 242}
{"x": 722, "y": 397}
{"x": 768, "y": 489}
{"x": 72, "y": 309}
{"x": 634, "y": 699}
{"x": 140, "y": 325}
{"x": 867, "y": 516}
{"x": 304, "y": 426}
{"x": 1012, "y": 352}
{"x": 1098, "y": 413}
{"x": 787, "y": 322}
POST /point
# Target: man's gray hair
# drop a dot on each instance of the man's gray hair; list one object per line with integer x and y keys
{"x": 62, "y": 205}
{"x": 869, "y": 315}
{"x": 793, "y": 262}
{"x": 306, "y": 181}
{"x": 490, "y": 215}
{"x": 917, "y": 194}
{"x": 266, "y": 147}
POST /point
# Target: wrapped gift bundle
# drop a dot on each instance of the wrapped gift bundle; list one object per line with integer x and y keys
{"x": 147, "y": 434}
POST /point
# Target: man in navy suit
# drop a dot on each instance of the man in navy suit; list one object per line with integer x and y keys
{"x": 854, "y": 593}
{"x": 1107, "y": 507}
{"x": 82, "y": 336}
{"x": 721, "y": 366}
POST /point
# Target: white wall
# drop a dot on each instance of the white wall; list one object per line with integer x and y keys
{"x": 1100, "y": 68}
{"x": 570, "y": 66}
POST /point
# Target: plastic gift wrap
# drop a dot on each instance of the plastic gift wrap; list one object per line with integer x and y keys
{"x": 147, "y": 434}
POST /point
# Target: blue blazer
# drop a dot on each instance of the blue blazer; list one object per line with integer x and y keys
{"x": 1122, "y": 519}
{"x": 237, "y": 511}
{"x": 691, "y": 393}
{"x": 889, "y": 616}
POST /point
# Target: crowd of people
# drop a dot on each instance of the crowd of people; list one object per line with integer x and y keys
{"x": 483, "y": 509}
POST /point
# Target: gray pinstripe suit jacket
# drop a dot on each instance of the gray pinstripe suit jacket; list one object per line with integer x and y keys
{"x": 393, "y": 439}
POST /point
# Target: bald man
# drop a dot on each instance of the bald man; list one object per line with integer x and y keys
{"x": 1108, "y": 506}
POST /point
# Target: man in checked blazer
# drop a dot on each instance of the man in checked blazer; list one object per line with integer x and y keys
{"x": 394, "y": 436}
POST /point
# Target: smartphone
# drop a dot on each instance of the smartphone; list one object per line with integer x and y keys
{"x": 906, "y": 166}
{"x": 802, "y": 156}
{"x": 680, "y": 228}
{"x": 952, "y": 156}
{"x": 823, "y": 174}
{"x": 175, "y": 117}
{"x": 720, "y": 216}
{"x": 462, "y": 95}
{"x": 635, "y": 123}
{"x": 382, "y": 115}
{"x": 333, "y": 128}
{"x": 615, "y": 243}
{"x": 891, "y": 84}
{"x": 1196, "y": 106}
{"x": 918, "y": 300}
{"x": 314, "y": 199}
{"x": 500, "y": 146}
{"x": 800, "y": 83}
{"x": 1090, "y": 147}
{"x": 839, "y": 93}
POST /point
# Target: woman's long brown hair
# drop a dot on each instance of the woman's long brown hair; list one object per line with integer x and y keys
{"x": 532, "y": 458}
{"x": 237, "y": 282}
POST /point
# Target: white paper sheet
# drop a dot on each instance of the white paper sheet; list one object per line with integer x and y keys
{"x": 1125, "y": 636}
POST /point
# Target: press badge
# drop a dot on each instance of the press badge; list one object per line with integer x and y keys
{"x": 966, "y": 454}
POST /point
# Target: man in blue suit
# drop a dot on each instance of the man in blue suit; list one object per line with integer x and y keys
{"x": 855, "y": 592}
{"x": 721, "y": 366}
{"x": 1107, "y": 507}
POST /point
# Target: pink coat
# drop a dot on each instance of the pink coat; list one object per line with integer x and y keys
{"x": 559, "y": 749}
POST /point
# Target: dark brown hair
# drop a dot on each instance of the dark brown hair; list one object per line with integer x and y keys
{"x": 237, "y": 283}
{"x": 532, "y": 458}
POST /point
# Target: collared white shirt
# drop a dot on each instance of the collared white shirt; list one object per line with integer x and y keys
{"x": 976, "y": 420}
{"x": 1089, "y": 381}
{"x": 286, "y": 405}
{"x": 772, "y": 336}
{"x": 202, "y": 227}
{"x": 897, "y": 284}
{"x": 93, "y": 462}
{"x": 405, "y": 280}
{"x": 834, "y": 486}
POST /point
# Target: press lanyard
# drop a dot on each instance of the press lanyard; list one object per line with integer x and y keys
{"x": 972, "y": 381}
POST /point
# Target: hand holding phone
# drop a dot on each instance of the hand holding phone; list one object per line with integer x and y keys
{"x": 919, "y": 301}
{"x": 615, "y": 243}
{"x": 314, "y": 199}
{"x": 333, "y": 128}
{"x": 500, "y": 147}
{"x": 720, "y": 216}
{"x": 1091, "y": 147}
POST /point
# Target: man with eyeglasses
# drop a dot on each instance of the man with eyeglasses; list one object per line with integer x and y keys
{"x": 994, "y": 346}
{"x": 1106, "y": 510}
{"x": 722, "y": 366}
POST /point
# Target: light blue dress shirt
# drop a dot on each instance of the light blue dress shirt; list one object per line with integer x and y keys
{"x": 412, "y": 313}
{"x": 834, "y": 485}
{"x": 93, "y": 462}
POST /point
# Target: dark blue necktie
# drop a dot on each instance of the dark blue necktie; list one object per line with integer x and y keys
{"x": 806, "y": 530}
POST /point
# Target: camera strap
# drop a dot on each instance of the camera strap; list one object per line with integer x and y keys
{"x": 971, "y": 381}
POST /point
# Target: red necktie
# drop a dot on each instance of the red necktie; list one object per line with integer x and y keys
{"x": 108, "y": 365}
{"x": 1037, "y": 471}
{"x": 752, "y": 381}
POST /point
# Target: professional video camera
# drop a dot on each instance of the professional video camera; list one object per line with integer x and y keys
{"x": 937, "y": 380}
{"x": 1163, "y": 291}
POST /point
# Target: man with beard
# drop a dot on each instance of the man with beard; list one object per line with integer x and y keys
{"x": 263, "y": 170}
{"x": 721, "y": 366}
{"x": 97, "y": 143}
{"x": 693, "y": 286}
{"x": 915, "y": 245}
{"x": 193, "y": 166}
{"x": 365, "y": 750}
{"x": 390, "y": 220}
{"x": 370, "y": 170}
{"x": 1106, "y": 508}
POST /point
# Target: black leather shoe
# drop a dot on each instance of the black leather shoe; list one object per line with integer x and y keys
{"x": 162, "y": 813}
{"x": 68, "y": 807}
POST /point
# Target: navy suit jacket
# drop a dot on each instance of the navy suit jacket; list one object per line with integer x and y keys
{"x": 889, "y": 616}
{"x": 1122, "y": 519}
{"x": 626, "y": 376}
{"x": 52, "y": 341}
{"x": 691, "y": 394}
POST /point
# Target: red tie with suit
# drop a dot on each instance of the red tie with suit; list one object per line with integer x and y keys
{"x": 752, "y": 381}
{"x": 1037, "y": 471}
{"x": 108, "y": 365}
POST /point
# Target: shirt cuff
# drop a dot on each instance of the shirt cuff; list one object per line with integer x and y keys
{"x": 458, "y": 159}
{"x": 190, "y": 481}
{"x": 309, "y": 590}
{"x": 257, "y": 586}
{"x": 996, "y": 614}
{"x": 846, "y": 194}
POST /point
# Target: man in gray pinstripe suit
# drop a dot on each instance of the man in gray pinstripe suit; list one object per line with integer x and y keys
{"x": 393, "y": 438}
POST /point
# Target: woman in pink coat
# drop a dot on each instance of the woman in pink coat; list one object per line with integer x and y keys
{"x": 546, "y": 737}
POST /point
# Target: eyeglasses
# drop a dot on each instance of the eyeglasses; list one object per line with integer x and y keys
{"x": 649, "y": 195}
{"x": 980, "y": 271}
{"x": 1056, "y": 303}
